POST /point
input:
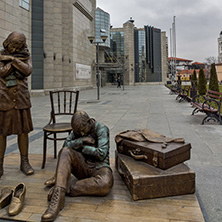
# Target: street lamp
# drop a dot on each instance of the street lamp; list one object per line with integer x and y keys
{"x": 91, "y": 39}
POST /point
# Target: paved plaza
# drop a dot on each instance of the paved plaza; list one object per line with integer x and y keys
{"x": 148, "y": 106}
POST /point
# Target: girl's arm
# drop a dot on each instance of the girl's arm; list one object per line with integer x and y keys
{"x": 23, "y": 67}
{"x": 5, "y": 69}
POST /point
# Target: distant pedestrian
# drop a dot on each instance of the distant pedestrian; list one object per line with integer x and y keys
{"x": 118, "y": 82}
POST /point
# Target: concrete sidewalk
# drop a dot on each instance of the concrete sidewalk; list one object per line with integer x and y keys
{"x": 148, "y": 106}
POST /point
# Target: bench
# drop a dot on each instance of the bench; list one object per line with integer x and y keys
{"x": 210, "y": 104}
{"x": 173, "y": 89}
{"x": 183, "y": 94}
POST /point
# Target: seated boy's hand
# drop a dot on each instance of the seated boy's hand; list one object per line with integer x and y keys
{"x": 88, "y": 140}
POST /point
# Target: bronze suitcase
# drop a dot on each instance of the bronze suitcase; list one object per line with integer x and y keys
{"x": 146, "y": 182}
{"x": 155, "y": 153}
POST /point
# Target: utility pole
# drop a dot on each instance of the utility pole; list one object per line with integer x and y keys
{"x": 171, "y": 56}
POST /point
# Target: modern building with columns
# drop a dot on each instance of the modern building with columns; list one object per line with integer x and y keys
{"x": 142, "y": 51}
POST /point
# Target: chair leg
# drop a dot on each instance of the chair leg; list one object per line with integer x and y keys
{"x": 55, "y": 146}
{"x": 44, "y": 150}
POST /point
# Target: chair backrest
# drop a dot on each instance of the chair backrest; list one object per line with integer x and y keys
{"x": 63, "y": 102}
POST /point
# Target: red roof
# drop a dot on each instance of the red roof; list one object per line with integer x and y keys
{"x": 185, "y": 71}
{"x": 180, "y": 59}
{"x": 197, "y": 63}
{"x": 189, "y": 71}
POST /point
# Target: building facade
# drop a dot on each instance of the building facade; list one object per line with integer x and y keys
{"x": 67, "y": 52}
{"x": 140, "y": 55}
{"x": 153, "y": 52}
{"x": 143, "y": 52}
{"x": 102, "y": 28}
{"x": 57, "y": 35}
{"x": 16, "y": 16}
{"x": 164, "y": 56}
{"x": 115, "y": 55}
{"x": 219, "y": 72}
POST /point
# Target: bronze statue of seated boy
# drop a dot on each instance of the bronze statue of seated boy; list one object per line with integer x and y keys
{"x": 85, "y": 154}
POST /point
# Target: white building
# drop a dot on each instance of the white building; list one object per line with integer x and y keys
{"x": 220, "y": 48}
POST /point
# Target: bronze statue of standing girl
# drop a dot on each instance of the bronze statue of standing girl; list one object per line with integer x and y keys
{"x": 15, "y": 115}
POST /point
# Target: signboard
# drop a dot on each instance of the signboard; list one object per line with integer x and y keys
{"x": 83, "y": 71}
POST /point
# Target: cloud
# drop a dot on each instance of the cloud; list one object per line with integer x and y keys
{"x": 198, "y": 23}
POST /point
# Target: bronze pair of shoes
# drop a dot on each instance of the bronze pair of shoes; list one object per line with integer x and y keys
{"x": 17, "y": 201}
{"x": 5, "y": 196}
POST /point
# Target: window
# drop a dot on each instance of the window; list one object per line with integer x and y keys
{"x": 24, "y": 4}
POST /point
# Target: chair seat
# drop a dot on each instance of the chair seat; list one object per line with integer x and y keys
{"x": 58, "y": 127}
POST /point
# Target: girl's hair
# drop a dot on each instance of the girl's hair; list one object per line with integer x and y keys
{"x": 15, "y": 37}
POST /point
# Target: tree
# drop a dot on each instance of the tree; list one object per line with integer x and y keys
{"x": 194, "y": 78}
{"x": 213, "y": 84}
{"x": 209, "y": 61}
{"x": 179, "y": 80}
{"x": 202, "y": 83}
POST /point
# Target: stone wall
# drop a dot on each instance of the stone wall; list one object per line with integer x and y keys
{"x": 14, "y": 18}
{"x": 66, "y": 31}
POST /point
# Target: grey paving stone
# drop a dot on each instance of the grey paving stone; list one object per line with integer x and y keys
{"x": 148, "y": 106}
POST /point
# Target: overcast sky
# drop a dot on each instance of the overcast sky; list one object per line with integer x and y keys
{"x": 198, "y": 22}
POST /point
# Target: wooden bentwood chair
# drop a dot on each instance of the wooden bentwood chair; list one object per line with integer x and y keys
{"x": 63, "y": 103}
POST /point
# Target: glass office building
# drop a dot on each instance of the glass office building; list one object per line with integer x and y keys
{"x": 115, "y": 54}
{"x": 153, "y": 54}
{"x": 140, "y": 55}
{"x": 147, "y": 53}
{"x": 102, "y": 26}
{"x": 117, "y": 44}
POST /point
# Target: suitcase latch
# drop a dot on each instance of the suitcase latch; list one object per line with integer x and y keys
{"x": 155, "y": 158}
{"x": 164, "y": 145}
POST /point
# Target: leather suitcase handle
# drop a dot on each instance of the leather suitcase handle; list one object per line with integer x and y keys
{"x": 137, "y": 157}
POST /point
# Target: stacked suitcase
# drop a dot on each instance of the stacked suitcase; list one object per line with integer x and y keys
{"x": 152, "y": 170}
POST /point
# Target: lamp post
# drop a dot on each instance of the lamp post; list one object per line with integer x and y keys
{"x": 91, "y": 39}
